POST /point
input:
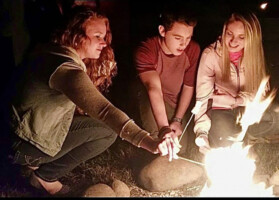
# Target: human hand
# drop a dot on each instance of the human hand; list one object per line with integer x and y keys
{"x": 238, "y": 101}
{"x": 227, "y": 101}
{"x": 176, "y": 128}
{"x": 203, "y": 143}
{"x": 169, "y": 144}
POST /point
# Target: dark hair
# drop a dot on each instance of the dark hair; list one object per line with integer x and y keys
{"x": 169, "y": 16}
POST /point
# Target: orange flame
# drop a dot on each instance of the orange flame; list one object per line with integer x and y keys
{"x": 229, "y": 169}
{"x": 254, "y": 109}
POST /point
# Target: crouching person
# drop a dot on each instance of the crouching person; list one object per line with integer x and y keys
{"x": 48, "y": 136}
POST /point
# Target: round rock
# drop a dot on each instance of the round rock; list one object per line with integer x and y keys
{"x": 120, "y": 188}
{"x": 99, "y": 190}
{"x": 161, "y": 175}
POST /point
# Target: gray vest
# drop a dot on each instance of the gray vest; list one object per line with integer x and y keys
{"x": 42, "y": 115}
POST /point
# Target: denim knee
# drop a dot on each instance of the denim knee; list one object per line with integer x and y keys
{"x": 23, "y": 159}
{"x": 112, "y": 137}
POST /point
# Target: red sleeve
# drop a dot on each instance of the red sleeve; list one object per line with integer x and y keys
{"x": 146, "y": 55}
{"x": 193, "y": 53}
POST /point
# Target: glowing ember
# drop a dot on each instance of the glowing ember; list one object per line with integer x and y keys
{"x": 229, "y": 169}
{"x": 263, "y": 6}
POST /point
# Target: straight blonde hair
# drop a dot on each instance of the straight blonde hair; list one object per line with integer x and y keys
{"x": 253, "y": 55}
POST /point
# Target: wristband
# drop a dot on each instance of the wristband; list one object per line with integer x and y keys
{"x": 176, "y": 119}
{"x": 163, "y": 131}
{"x": 201, "y": 133}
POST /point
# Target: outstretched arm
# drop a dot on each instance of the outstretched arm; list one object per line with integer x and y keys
{"x": 77, "y": 86}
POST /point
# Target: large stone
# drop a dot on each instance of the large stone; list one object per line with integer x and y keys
{"x": 274, "y": 179}
{"x": 161, "y": 175}
{"x": 120, "y": 188}
{"x": 276, "y": 190}
{"x": 261, "y": 178}
{"x": 99, "y": 190}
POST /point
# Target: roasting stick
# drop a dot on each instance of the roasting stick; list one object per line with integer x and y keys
{"x": 194, "y": 111}
{"x": 192, "y": 161}
{"x": 186, "y": 127}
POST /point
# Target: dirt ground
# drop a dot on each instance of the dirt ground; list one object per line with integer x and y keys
{"x": 117, "y": 162}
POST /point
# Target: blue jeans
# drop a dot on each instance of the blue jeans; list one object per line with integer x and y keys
{"x": 86, "y": 139}
{"x": 223, "y": 124}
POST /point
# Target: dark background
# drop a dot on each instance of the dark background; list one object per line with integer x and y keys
{"x": 141, "y": 21}
{"x": 24, "y": 23}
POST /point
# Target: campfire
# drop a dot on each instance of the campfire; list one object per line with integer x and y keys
{"x": 229, "y": 169}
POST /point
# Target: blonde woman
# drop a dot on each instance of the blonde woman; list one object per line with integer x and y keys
{"x": 230, "y": 72}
